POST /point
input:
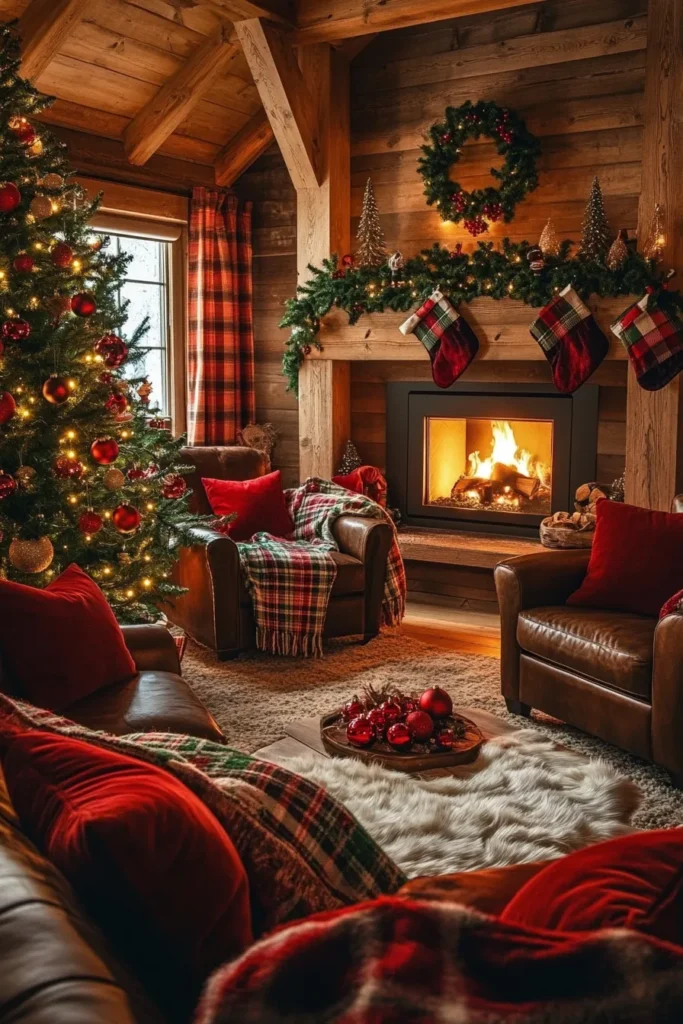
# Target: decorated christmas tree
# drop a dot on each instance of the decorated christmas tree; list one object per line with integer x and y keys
{"x": 372, "y": 251}
{"x": 595, "y": 232}
{"x": 85, "y": 475}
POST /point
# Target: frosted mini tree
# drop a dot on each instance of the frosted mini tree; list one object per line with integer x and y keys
{"x": 595, "y": 232}
{"x": 372, "y": 251}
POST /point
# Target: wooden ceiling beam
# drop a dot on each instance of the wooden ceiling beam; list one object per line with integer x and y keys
{"x": 240, "y": 152}
{"x": 288, "y": 104}
{"x": 43, "y": 27}
{"x": 280, "y": 11}
{"x": 328, "y": 20}
{"x": 160, "y": 117}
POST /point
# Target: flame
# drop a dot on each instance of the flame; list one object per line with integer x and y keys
{"x": 504, "y": 449}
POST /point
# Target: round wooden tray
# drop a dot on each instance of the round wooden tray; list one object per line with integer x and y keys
{"x": 417, "y": 759}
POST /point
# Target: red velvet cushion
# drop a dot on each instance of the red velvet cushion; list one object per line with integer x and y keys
{"x": 632, "y": 882}
{"x": 636, "y": 562}
{"x": 673, "y": 605}
{"x": 259, "y": 505}
{"x": 149, "y": 861}
{"x": 62, "y": 643}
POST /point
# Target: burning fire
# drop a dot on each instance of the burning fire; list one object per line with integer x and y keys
{"x": 505, "y": 450}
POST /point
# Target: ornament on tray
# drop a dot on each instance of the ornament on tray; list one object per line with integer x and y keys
{"x": 23, "y": 263}
{"x": 144, "y": 391}
{"x": 83, "y": 304}
{"x": 57, "y": 389}
{"x": 651, "y": 331}
{"x": 90, "y": 522}
{"x": 10, "y": 196}
{"x": 15, "y": 329}
{"x": 8, "y": 407}
{"x": 352, "y": 709}
{"x": 26, "y": 477}
{"x": 126, "y": 518}
{"x": 67, "y": 467}
{"x": 549, "y": 243}
{"x": 173, "y": 486}
{"x": 396, "y": 264}
{"x": 372, "y": 249}
{"x": 445, "y": 738}
{"x": 62, "y": 255}
{"x": 535, "y": 258}
{"x": 595, "y": 232}
{"x": 450, "y": 341}
{"x": 391, "y": 710}
{"x": 570, "y": 339}
{"x": 618, "y": 252}
{"x": 113, "y": 479}
{"x": 113, "y": 351}
{"x": 360, "y": 732}
{"x": 653, "y": 247}
{"x": 41, "y": 207}
{"x": 104, "y": 450}
{"x": 399, "y": 736}
{"x": 350, "y": 459}
{"x": 31, "y": 556}
{"x": 436, "y": 702}
{"x": 8, "y": 484}
{"x": 421, "y": 724}
{"x": 379, "y": 721}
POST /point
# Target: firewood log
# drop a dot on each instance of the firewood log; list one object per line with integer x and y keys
{"x": 481, "y": 485}
{"x": 526, "y": 485}
{"x": 503, "y": 474}
{"x": 588, "y": 495}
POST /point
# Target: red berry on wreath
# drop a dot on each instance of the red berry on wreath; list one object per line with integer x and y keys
{"x": 8, "y": 407}
{"x": 392, "y": 710}
{"x": 436, "y": 702}
{"x": 338, "y": 274}
{"x": 62, "y": 256}
{"x": 56, "y": 389}
{"x": 459, "y": 200}
{"x": 23, "y": 263}
{"x": 360, "y": 731}
{"x": 112, "y": 349}
{"x": 126, "y": 518}
{"x": 174, "y": 486}
{"x": 83, "y": 304}
{"x": 15, "y": 329}
{"x": 445, "y": 739}
{"x": 104, "y": 451}
{"x": 306, "y": 350}
{"x": 446, "y": 138}
{"x": 8, "y": 484}
{"x": 399, "y": 736}
{"x": 348, "y": 260}
{"x": 352, "y": 709}
{"x": 116, "y": 403}
{"x": 420, "y": 724}
{"x": 476, "y": 225}
{"x": 10, "y": 196}
{"x": 90, "y": 522}
{"x": 67, "y": 468}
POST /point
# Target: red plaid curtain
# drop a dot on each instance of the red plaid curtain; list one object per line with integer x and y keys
{"x": 220, "y": 355}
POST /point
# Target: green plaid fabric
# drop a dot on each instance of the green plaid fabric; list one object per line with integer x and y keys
{"x": 302, "y": 850}
{"x": 557, "y": 319}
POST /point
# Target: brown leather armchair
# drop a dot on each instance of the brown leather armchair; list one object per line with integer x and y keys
{"x": 613, "y": 674}
{"x": 216, "y": 611}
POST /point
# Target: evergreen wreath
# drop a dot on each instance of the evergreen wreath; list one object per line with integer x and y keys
{"x": 518, "y": 175}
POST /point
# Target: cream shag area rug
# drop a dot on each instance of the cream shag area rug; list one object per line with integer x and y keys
{"x": 529, "y": 802}
{"x": 254, "y": 697}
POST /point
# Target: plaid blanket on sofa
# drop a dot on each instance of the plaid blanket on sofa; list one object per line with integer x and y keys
{"x": 290, "y": 581}
{"x": 402, "y": 962}
{"x": 302, "y": 850}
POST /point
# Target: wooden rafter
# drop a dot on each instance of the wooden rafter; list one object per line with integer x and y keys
{"x": 43, "y": 27}
{"x": 242, "y": 150}
{"x": 173, "y": 103}
{"x": 329, "y": 20}
{"x": 280, "y": 11}
{"x": 285, "y": 96}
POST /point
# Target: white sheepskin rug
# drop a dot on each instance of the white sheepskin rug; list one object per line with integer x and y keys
{"x": 530, "y": 801}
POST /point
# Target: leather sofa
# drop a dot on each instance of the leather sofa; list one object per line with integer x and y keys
{"x": 216, "y": 611}
{"x": 615, "y": 675}
{"x": 157, "y": 698}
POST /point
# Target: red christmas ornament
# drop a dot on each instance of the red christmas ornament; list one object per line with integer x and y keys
{"x": 347, "y": 260}
{"x": 90, "y": 522}
{"x": 106, "y": 378}
{"x": 360, "y": 731}
{"x": 104, "y": 451}
{"x": 62, "y": 256}
{"x": 23, "y": 263}
{"x": 445, "y": 739}
{"x": 116, "y": 403}
{"x": 126, "y": 518}
{"x": 420, "y": 724}
{"x": 174, "y": 486}
{"x": 83, "y": 304}
{"x": 56, "y": 389}
{"x": 8, "y": 407}
{"x": 379, "y": 720}
{"x": 399, "y": 736}
{"x": 112, "y": 349}
{"x": 8, "y": 484}
{"x": 392, "y": 710}
{"x": 25, "y": 132}
{"x": 10, "y": 196}
{"x": 68, "y": 469}
{"x": 136, "y": 473}
{"x": 436, "y": 702}
{"x": 15, "y": 330}
{"x": 446, "y": 138}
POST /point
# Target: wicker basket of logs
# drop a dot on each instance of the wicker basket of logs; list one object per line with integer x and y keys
{"x": 574, "y": 529}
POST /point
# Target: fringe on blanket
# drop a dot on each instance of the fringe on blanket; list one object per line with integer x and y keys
{"x": 272, "y": 641}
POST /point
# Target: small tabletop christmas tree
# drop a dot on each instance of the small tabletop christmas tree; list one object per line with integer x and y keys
{"x": 84, "y": 476}
{"x": 595, "y": 232}
{"x": 372, "y": 251}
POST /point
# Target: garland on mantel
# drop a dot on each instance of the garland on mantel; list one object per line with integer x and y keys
{"x": 497, "y": 273}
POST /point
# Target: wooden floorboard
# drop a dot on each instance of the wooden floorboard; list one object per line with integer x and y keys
{"x": 453, "y": 628}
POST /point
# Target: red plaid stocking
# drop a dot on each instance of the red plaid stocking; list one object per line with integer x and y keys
{"x": 652, "y": 333}
{"x": 572, "y": 342}
{"x": 449, "y": 340}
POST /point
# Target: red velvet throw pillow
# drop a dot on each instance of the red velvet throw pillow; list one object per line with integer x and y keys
{"x": 62, "y": 643}
{"x": 636, "y": 561}
{"x": 149, "y": 861}
{"x": 632, "y": 882}
{"x": 259, "y": 505}
{"x": 674, "y": 606}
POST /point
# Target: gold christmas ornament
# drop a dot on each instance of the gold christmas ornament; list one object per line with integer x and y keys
{"x": 656, "y": 239}
{"x": 31, "y": 556}
{"x": 41, "y": 207}
{"x": 549, "y": 243}
{"x": 113, "y": 479}
{"x": 372, "y": 250}
{"x": 52, "y": 180}
{"x": 26, "y": 477}
{"x": 618, "y": 252}
{"x": 124, "y": 558}
{"x": 37, "y": 148}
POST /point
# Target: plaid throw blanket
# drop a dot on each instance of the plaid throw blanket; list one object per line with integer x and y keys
{"x": 303, "y": 852}
{"x": 290, "y": 581}
{"x": 398, "y": 961}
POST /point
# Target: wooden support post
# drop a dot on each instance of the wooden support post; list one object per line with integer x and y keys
{"x": 654, "y": 420}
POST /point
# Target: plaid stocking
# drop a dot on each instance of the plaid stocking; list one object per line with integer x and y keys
{"x": 572, "y": 342}
{"x": 653, "y": 338}
{"x": 449, "y": 340}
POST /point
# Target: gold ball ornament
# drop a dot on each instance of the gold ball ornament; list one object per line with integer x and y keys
{"x": 41, "y": 207}
{"x": 113, "y": 479}
{"x": 26, "y": 477}
{"x": 31, "y": 556}
{"x": 37, "y": 148}
{"x": 52, "y": 180}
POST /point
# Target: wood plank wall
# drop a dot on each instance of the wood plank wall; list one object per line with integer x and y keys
{"x": 573, "y": 68}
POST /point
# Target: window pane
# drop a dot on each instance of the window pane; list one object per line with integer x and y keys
{"x": 145, "y": 300}
{"x": 152, "y": 366}
{"x": 146, "y": 262}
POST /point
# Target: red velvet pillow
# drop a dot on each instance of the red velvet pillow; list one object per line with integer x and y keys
{"x": 259, "y": 505}
{"x": 636, "y": 562}
{"x": 673, "y": 606}
{"x": 632, "y": 882}
{"x": 61, "y": 643}
{"x": 149, "y": 861}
